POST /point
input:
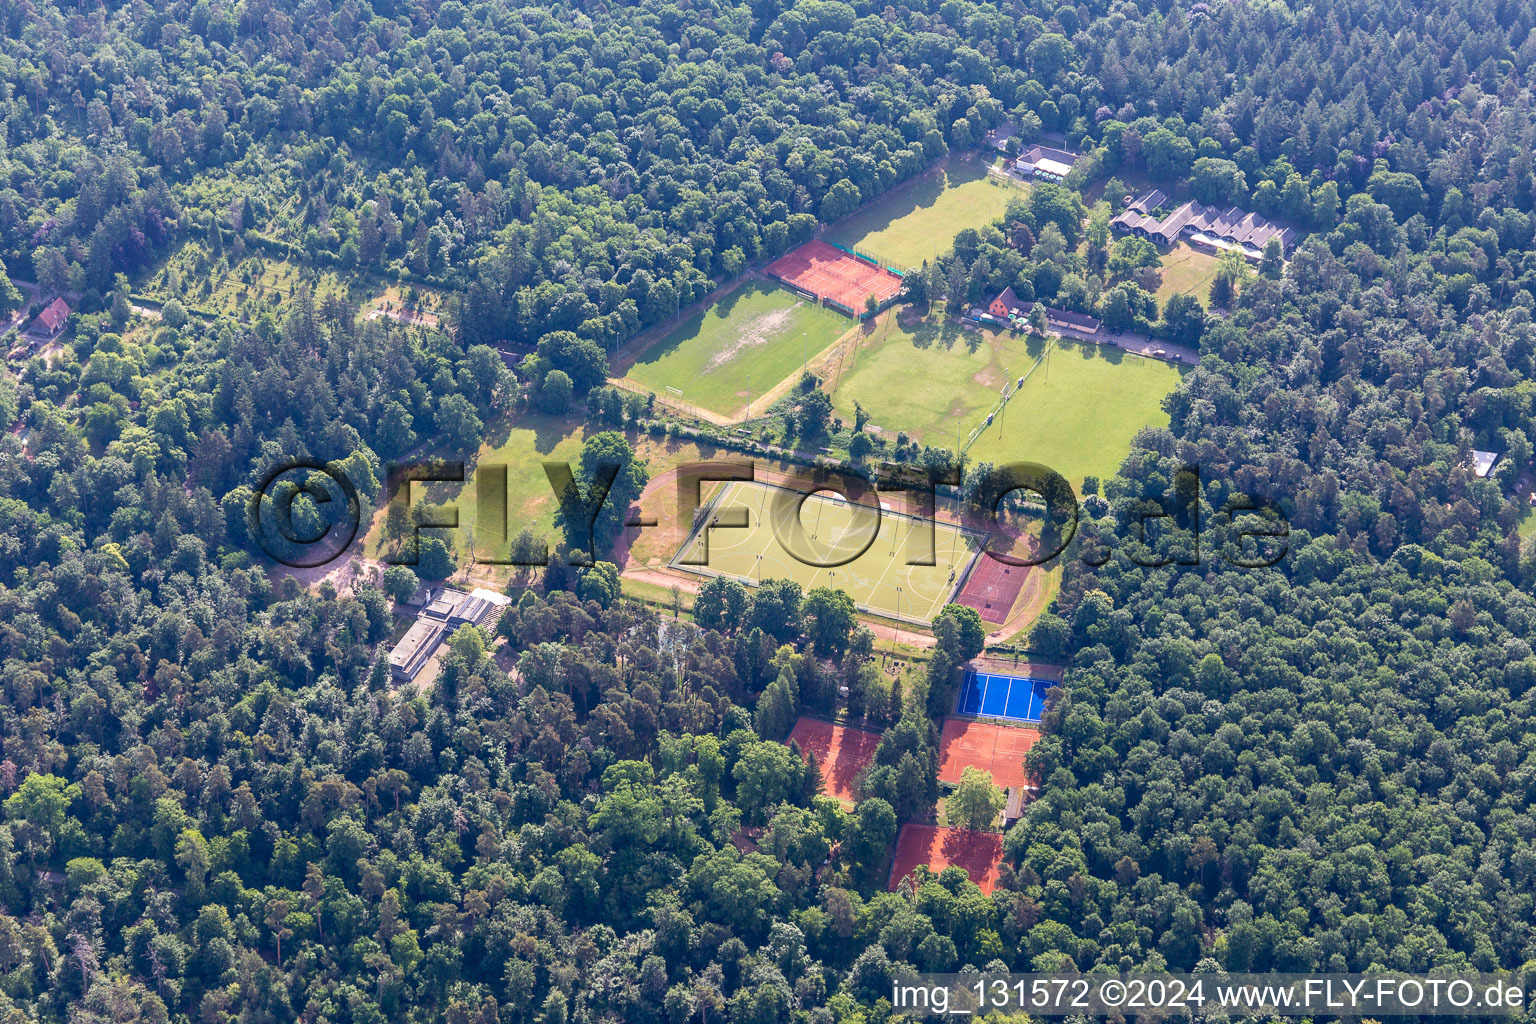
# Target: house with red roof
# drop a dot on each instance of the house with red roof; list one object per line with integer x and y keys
{"x": 1006, "y": 303}
{"x": 55, "y": 316}
{"x": 1009, "y": 304}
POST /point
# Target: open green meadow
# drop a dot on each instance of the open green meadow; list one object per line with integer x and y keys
{"x": 879, "y": 578}
{"x": 753, "y": 338}
{"x": 522, "y": 447}
{"x": 1187, "y": 271}
{"x": 1077, "y": 413}
{"x": 257, "y": 283}
{"x": 918, "y": 220}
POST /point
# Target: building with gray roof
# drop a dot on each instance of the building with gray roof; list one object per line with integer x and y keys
{"x": 1206, "y": 227}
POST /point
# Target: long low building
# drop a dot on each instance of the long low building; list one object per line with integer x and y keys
{"x": 1208, "y": 226}
{"x": 414, "y": 649}
{"x": 443, "y": 611}
{"x": 455, "y": 608}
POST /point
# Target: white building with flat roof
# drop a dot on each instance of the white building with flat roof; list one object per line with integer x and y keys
{"x": 1045, "y": 162}
{"x": 415, "y": 649}
{"x": 1483, "y": 462}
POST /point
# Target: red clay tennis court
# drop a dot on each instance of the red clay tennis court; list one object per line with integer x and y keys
{"x": 841, "y": 751}
{"x": 994, "y": 748}
{"x": 828, "y": 272}
{"x": 992, "y": 587}
{"x": 979, "y": 853}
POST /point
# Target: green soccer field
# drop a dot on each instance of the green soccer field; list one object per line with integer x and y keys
{"x": 879, "y": 580}
{"x": 1080, "y": 411}
{"x": 753, "y": 338}
{"x": 1078, "y": 415}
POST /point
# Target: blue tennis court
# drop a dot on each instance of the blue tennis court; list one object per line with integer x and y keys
{"x": 1016, "y": 697}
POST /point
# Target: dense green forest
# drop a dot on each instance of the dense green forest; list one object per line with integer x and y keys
{"x": 217, "y": 806}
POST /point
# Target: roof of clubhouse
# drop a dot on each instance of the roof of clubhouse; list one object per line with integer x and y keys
{"x": 1232, "y": 228}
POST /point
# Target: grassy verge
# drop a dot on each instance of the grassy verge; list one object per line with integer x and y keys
{"x": 658, "y": 596}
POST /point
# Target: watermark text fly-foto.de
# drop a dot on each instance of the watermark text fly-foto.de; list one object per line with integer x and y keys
{"x": 1159, "y": 529}
{"x": 1162, "y": 995}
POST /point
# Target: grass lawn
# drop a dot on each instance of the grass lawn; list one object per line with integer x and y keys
{"x": 1080, "y": 410}
{"x": 876, "y": 557}
{"x": 523, "y": 446}
{"x": 918, "y": 220}
{"x": 927, "y": 380}
{"x": 754, "y": 337}
{"x": 1078, "y": 415}
{"x": 1187, "y": 271}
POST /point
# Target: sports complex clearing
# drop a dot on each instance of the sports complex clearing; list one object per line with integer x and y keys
{"x": 1077, "y": 412}
{"x": 842, "y": 752}
{"x": 688, "y": 541}
{"x": 750, "y": 340}
{"x": 877, "y": 557}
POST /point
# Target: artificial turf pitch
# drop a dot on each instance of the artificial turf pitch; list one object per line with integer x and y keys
{"x": 880, "y": 580}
